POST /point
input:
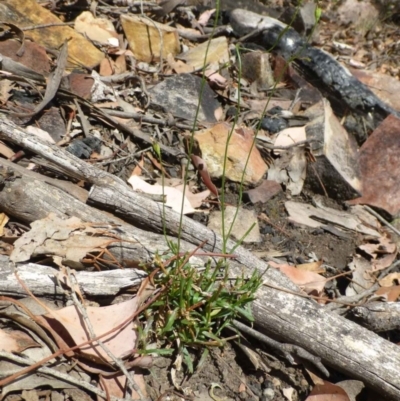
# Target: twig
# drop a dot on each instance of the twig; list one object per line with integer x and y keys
{"x": 254, "y": 32}
{"x": 145, "y": 118}
{"x": 285, "y": 349}
{"x": 59, "y": 375}
{"x": 317, "y": 298}
{"x": 41, "y": 26}
{"x": 382, "y": 220}
{"x": 123, "y": 127}
{"x": 160, "y": 34}
{"x": 273, "y": 147}
{"x": 131, "y": 382}
{"x": 358, "y": 297}
{"x": 85, "y": 125}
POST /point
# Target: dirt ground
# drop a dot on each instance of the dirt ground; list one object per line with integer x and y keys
{"x": 232, "y": 376}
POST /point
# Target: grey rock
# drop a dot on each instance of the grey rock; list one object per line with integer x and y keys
{"x": 180, "y": 94}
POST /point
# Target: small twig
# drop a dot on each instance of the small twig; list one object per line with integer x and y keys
{"x": 317, "y": 298}
{"x": 358, "y": 297}
{"x": 273, "y": 147}
{"x": 194, "y": 37}
{"x": 319, "y": 180}
{"x": 84, "y": 121}
{"x": 145, "y": 118}
{"x": 103, "y": 161}
{"x": 285, "y": 349}
{"x": 382, "y": 220}
{"x": 102, "y": 114}
{"x": 264, "y": 217}
{"x": 172, "y": 391}
{"x": 67, "y": 136}
{"x": 41, "y": 26}
{"x": 145, "y": 91}
{"x": 254, "y": 32}
{"x": 160, "y": 34}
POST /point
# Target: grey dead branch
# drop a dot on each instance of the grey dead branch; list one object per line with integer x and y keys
{"x": 129, "y": 225}
{"x": 42, "y": 280}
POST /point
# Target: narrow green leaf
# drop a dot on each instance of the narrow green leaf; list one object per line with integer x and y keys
{"x": 157, "y": 150}
{"x": 187, "y": 359}
{"x": 245, "y": 313}
{"x": 215, "y": 312}
{"x": 318, "y": 13}
{"x": 170, "y": 322}
{"x": 211, "y": 335}
{"x": 160, "y": 351}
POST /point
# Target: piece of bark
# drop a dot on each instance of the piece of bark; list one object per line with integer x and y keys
{"x": 340, "y": 343}
{"x": 335, "y": 169}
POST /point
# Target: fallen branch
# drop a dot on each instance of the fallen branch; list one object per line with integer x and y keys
{"x": 42, "y": 281}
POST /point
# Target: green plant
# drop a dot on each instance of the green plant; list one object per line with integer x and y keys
{"x": 195, "y": 306}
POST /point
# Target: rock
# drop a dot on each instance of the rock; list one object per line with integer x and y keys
{"x": 379, "y": 164}
{"x": 180, "y": 94}
{"x": 242, "y": 160}
{"x": 144, "y": 38}
{"x": 302, "y": 19}
{"x": 267, "y": 190}
{"x": 83, "y": 148}
{"x": 242, "y": 224}
{"x": 384, "y": 86}
{"x": 357, "y": 14}
{"x": 256, "y": 68}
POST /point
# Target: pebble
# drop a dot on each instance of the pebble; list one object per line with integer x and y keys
{"x": 268, "y": 394}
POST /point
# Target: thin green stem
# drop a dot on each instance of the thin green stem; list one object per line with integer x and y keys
{"x": 203, "y": 83}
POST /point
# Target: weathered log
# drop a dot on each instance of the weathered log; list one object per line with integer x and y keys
{"x": 340, "y": 343}
{"x": 42, "y": 280}
{"x": 28, "y": 197}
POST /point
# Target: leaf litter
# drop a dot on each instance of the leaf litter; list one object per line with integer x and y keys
{"x": 330, "y": 250}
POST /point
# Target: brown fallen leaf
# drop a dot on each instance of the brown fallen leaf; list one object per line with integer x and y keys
{"x": 16, "y": 341}
{"x": 97, "y": 29}
{"x": 327, "y": 392}
{"x": 391, "y": 294}
{"x": 312, "y": 267}
{"x": 239, "y": 161}
{"x": 121, "y": 342}
{"x": 3, "y": 221}
{"x": 390, "y": 279}
{"x": 308, "y": 281}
